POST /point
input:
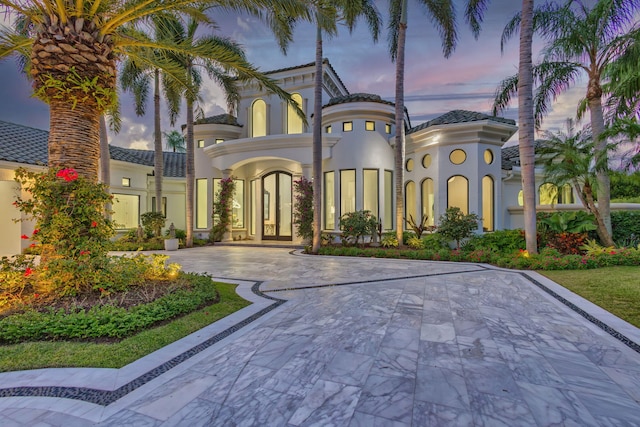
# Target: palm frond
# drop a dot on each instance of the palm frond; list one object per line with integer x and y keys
{"x": 474, "y": 15}
{"x": 553, "y": 78}
{"x": 504, "y": 93}
{"x": 443, "y": 15}
{"x": 395, "y": 13}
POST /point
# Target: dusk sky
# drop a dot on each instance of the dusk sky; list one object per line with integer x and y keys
{"x": 433, "y": 84}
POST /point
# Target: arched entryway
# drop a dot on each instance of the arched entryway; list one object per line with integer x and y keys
{"x": 277, "y": 198}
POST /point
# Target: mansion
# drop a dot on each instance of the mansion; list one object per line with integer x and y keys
{"x": 456, "y": 159}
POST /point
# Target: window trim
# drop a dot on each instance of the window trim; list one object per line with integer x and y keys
{"x": 369, "y": 123}
{"x": 377, "y": 180}
{"x": 448, "y": 203}
{"x": 347, "y": 124}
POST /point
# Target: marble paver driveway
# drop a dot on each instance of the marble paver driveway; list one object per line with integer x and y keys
{"x": 393, "y": 343}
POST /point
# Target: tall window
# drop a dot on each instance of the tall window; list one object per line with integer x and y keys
{"x": 252, "y": 207}
{"x": 388, "y": 200}
{"x": 410, "y": 200}
{"x": 126, "y": 210}
{"x": 428, "y": 201}
{"x": 347, "y": 191}
{"x": 258, "y": 118}
{"x": 565, "y": 195}
{"x": 329, "y": 201}
{"x": 548, "y": 194}
{"x": 458, "y": 193}
{"x": 238, "y": 205}
{"x": 164, "y": 206}
{"x": 202, "y": 214}
{"x": 370, "y": 191}
{"x": 294, "y": 122}
{"x": 488, "y": 201}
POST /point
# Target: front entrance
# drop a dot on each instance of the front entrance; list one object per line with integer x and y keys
{"x": 276, "y": 206}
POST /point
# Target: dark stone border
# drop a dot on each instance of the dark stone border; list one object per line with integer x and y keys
{"x": 600, "y": 324}
{"x": 106, "y": 397}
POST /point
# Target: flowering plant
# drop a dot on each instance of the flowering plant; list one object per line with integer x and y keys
{"x": 357, "y": 224}
{"x": 222, "y": 204}
{"x": 303, "y": 209}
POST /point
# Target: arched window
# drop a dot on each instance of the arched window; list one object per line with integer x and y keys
{"x": 428, "y": 201}
{"x": 410, "y": 200}
{"x": 294, "y": 122}
{"x": 548, "y": 194}
{"x": 458, "y": 193}
{"x": 488, "y": 201}
{"x": 258, "y": 118}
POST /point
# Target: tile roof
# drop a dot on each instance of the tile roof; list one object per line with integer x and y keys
{"x": 511, "y": 155}
{"x": 357, "y": 97}
{"x": 325, "y": 61}
{"x": 23, "y": 144}
{"x": 220, "y": 119}
{"x": 460, "y": 116}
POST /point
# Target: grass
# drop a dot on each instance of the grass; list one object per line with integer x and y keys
{"x": 616, "y": 289}
{"x": 60, "y": 354}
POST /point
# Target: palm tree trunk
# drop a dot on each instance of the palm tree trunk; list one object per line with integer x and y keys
{"x": 190, "y": 169}
{"x": 317, "y": 144}
{"x": 399, "y": 119}
{"x": 105, "y": 157}
{"x": 603, "y": 233}
{"x": 601, "y": 155}
{"x": 74, "y": 137}
{"x": 526, "y": 119}
{"x": 158, "y": 162}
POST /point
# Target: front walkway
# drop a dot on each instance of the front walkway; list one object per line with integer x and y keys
{"x": 360, "y": 342}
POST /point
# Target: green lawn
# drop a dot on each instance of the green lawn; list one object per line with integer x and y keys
{"x": 115, "y": 355}
{"x": 616, "y": 289}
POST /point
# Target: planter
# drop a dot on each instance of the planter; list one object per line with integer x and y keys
{"x": 171, "y": 244}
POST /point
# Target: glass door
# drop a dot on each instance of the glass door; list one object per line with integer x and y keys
{"x": 276, "y": 206}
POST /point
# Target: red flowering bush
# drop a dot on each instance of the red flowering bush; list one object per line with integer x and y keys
{"x": 303, "y": 209}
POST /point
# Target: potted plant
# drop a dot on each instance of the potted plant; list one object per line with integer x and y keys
{"x": 171, "y": 243}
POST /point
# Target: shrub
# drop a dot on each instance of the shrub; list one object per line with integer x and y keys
{"x": 568, "y": 222}
{"x": 180, "y": 234}
{"x": 626, "y": 227}
{"x": 414, "y": 242}
{"x": 435, "y": 241}
{"x": 303, "y": 208}
{"x": 455, "y": 225}
{"x": 355, "y": 225}
{"x": 389, "y": 240}
{"x": 566, "y": 243}
{"x": 152, "y": 223}
{"x": 504, "y": 241}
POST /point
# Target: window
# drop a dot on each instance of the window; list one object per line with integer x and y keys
{"x": 164, "y": 206}
{"x": 488, "y": 156}
{"x": 252, "y": 208}
{"x": 201, "y": 143}
{"x": 428, "y": 201}
{"x": 327, "y": 129}
{"x": 369, "y": 125}
{"x": 457, "y": 157}
{"x": 258, "y": 118}
{"x": 329, "y": 201}
{"x": 566, "y": 195}
{"x": 520, "y": 198}
{"x": 347, "y": 191}
{"x": 347, "y": 126}
{"x": 410, "y": 201}
{"x": 548, "y": 194}
{"x": 370, "y": 191}
{"x": 388, "y": 200}
{"x": 294, "y": 122}
{"x": 126, "y": 182}
{"x": 488, "y": 201}
{"x": 426, "y": 161}
{"x": 126, "y": 211}
{"x": 387, "y": 129}
{"x": 458, "y": 193}
{"x": 237, "y": 211}
{"x": 409, "y": 165}
{"x": 202, "y": 213}
{"x": 219, "y": 140}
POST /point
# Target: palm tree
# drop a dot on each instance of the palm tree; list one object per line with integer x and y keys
{"x": 73, "y": 49}
{"x": 137, "y": 76}
{"x": 580, "y": 41}
{"x": 442, "y": 14}
{"x": 568, "y": 158}
{"x": 175, "y": 141}
{"x": 328, "y": 12}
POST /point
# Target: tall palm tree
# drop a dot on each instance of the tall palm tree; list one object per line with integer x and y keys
{"x": 175, "y": 141}
{"x": 580, "y": 41}
{"x": 328, "y": 12}
{"x": 568, "y": 158}
{"x": 73, "y": 48}
{"x": 138, "y": 76}
{"x": 442, "y": 14}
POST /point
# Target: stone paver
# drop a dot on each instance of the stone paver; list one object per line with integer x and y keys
{"x": 365, "y": 342}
